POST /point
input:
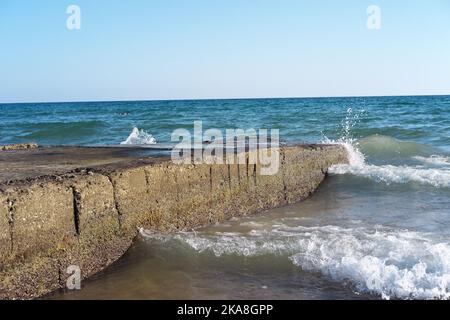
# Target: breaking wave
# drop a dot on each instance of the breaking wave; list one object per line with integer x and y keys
{"x": 358, "y": 166}
{"x": 390, "y": 263}
{"x": 139, "y": 137}
{"x": 393, "y": 264}
{"x": 386, "y": 147}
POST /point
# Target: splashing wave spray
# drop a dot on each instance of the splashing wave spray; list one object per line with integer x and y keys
{"x": 358, "y": 166}
{"x": 139, "y": 137}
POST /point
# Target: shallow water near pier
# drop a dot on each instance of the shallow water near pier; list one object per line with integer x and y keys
{"x": 377, "y": 228}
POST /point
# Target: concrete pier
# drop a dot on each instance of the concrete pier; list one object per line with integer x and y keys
{"x": 62, "y": 206}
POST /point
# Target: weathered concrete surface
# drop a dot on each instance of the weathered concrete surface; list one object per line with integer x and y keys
{"x": 5, "y": 235}
{"x": 19, "y": 146}
{"x": 89, "y": 217}
{"x": 27, "y": 164}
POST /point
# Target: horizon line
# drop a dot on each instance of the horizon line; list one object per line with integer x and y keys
{"x": 224, "y": 99}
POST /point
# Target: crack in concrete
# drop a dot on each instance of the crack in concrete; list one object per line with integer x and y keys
{"x": 283, "y": 165}
{"x": 239, "y": 173}
{"x": 147, "y": 181}
{"x": 210, "y": 179}
{"x": 11, "y": 217}
{"x": 116, "y": 204}
{"x": 229, "y": 175}
{"x": 247, "y": 164}
{"x": 60, "y": 277}
{"x": 76, "y": 200}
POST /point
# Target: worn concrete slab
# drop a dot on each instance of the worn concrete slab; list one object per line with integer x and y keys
{"x": 63, "y": 206}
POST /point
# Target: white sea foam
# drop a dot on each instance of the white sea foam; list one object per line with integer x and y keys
{"x": 438, "y": 177}
{"x": 139, "y": 137}
{"x": 434, "y": 160}
{"x": 385, "y": 147}
{"x": 396, "y": 264}
{"x": 390, "y": 263}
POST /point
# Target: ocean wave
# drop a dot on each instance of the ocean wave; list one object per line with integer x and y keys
{"x": 390, "y": 263}
{"x": 396, "y": 264}
{"x": 384, "y": 147}
{"x": 139, "y": 137}
{"x": 438, "y": 177}
{"x": 396, "y": 174}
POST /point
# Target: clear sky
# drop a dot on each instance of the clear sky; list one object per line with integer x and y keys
{"x": 175, "y": 49}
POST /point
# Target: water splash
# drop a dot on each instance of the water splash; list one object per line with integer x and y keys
{"x": 139, "y": 137}
{"x": 387, "y": 173}
{"x": 352, "y": 119}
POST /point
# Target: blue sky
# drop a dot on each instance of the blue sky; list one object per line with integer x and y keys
{"x": 176, "y": 49}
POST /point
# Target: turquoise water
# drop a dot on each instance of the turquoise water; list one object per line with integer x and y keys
{"x": 420, "y": 119}
{"x": 376, "y": 228}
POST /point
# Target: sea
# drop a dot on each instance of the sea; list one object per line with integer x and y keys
{"x": 377, "y": 228}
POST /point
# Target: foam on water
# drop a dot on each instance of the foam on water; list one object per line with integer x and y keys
{"x": 438, "y": 177}
{"x": 139, "y": 137}
{"x": 434, "y": 160}
{"x": 386, "y": 148}
{"x": 358, "y": 166}
{"x": 391, "y": 263}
